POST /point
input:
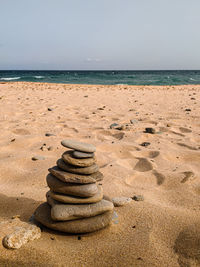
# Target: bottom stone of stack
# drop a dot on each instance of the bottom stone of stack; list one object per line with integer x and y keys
{"x": 86, "y": 225}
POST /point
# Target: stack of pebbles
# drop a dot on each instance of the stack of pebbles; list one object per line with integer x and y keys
{"x": 75, "y": 202}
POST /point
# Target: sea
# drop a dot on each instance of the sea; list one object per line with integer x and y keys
{"x": 135, "y": 77}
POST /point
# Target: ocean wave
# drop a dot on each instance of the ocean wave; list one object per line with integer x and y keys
{"x": 192, "y": 79}
{"x": 39, "y": 77}
{"x": 10, "y": 78}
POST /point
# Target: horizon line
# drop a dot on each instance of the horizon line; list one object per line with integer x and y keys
{"x": 100, "y": 70}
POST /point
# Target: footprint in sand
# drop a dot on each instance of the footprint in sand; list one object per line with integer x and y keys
{"x": 119, "y": 136}
{"x": 188, "y": 175}
{"x": 187, "y": 146}
{"x": 21, "y": 132}
{"x": 187, "y": 246}
{"x": 143, "y": 165}
{"x": 185, "y": 130}
{"x": 180, "y": 134}
{"x": 149, "y": 154}
{"x": 153, "y": 154}
{"x": 103, "y": 134}
{"x": 160, "y": 177}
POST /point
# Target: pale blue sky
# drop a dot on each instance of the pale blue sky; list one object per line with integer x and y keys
{"x": 99, "y": 34}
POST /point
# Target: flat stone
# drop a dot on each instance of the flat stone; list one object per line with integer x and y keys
{"x": 79, "y": 170}
{"x": 86, "y": 225}
{"x": 21, "y": 236}
{"x": 69, "y": 159}
{"x": 76, "y": 178}
{"x": 56, "y": 185}
{"x": 66, "y": 212}
{"x": 84, "y": 147}
{"x": 121, "y": 201}
{"x": 82, "y": 155}
{"x": 77, "y": 200}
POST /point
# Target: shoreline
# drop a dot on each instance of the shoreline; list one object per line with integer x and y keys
{"x": 104, "y": 85}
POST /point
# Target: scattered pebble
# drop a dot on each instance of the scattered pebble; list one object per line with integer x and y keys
{"x": 21, "y": 236}
{"x": 49, "y": 134}
{"x": 150, "y": 130}
{"x": 50, "y": 109}
{"x": 187, "y": 109}
{"x": 145, "y": 144}
{"x": 113, "y": 125}
{"x": 50, "y": 148}
{"x": 38, "y": 158}
{"x": 138, "y": 198}
{"x": 121, "y": 201}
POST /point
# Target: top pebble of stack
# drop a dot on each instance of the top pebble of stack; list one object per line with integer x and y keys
{"x": 79, "y": 146}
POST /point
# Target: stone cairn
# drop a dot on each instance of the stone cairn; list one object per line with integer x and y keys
{"x": 75, "y": 201}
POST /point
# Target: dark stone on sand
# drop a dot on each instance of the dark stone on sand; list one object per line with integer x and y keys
{"x": 138, "y": 198}
{"x": 38, "y": 158}
{"x": 49, "y": 134}
{"x": 150, "y": 130}
{"x": 86, "y": 225}
{"x": 145, "y": 144}
{"x": 187, "y": 109}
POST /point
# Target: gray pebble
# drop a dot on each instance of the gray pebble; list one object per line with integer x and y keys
{"x": 138, "y": 198}
{"x": 121, "y": 201}
{"x": 113, "y": 125}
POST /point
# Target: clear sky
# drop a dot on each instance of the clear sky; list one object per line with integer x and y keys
{"x": 99, "y": 34}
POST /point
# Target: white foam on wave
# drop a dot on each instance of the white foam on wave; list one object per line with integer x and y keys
{"x": 10, "y": 78}
{"x": 39, "y": 77}
{"x": 192, "y": 79}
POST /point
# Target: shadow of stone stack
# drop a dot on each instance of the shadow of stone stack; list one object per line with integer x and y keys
{"x": 75, "y": 201}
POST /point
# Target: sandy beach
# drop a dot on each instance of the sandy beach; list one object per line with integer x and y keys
{"x": 164, "y": 228}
